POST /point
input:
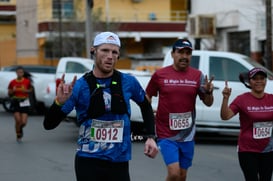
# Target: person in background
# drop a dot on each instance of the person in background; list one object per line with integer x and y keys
{"x": 255, "y": 109}
{"x": 102, "y": 102}
{"x": 19, "y": 90}
{"x": 178, "y": 86}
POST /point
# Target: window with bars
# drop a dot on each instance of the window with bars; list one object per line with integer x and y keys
{"x": 64, "y": 7}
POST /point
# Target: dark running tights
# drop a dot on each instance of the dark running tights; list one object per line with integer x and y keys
{"x": 256, "y": 166}
{"x": 92, "y": 169}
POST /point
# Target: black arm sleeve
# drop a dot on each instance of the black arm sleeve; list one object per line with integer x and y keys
{"x": 53, "y": 117}
{"x": 148, "y": 116}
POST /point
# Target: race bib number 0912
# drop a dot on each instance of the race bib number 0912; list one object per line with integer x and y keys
{"x": 107, "y": 131}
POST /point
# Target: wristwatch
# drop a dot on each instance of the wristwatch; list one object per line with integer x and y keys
{"x": 151, "y": 136}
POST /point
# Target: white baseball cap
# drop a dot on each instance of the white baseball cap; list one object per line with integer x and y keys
{"x": 106, "y": 37}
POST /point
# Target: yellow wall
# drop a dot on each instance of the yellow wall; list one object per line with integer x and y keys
{"x": 126, "y": 10}
{"x": 118, "y": 11}
{"x": 27, "y": 61}
{"x": 7, "y": 32}
{"x": 11, "y": 2}
{"x": 80, "y": 7}
{"x": 7, "y": 52}
{"x": 7, "y": 44}
{"x": 45, "y": 10}
{"x": 7, "y": 40}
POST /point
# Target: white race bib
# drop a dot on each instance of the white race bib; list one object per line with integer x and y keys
{"x": 262, "y": 130}
{"x": 180, "y": 121}
{"x": 24, "y": 103}
{"x": 107, "y": 131}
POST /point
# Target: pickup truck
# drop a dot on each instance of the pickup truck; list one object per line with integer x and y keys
{"x": 75, "y": 66}
{"x": 40, "y": 75}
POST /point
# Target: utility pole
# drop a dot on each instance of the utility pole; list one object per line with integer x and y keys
{"x": 268, "y": 51}
{"x": 89, "y": 6}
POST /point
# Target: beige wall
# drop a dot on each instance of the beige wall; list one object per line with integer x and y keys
{"x": 117, "y": 11}
{"x": 8, "y": 52}
{"x": 30, "y": 49}
{"x": 7, "y": 32}
{"x": 7, "y": 45}
{"x": 44, "y": 10}
{"x": 7, "y": 40}
{"x": 126, "y": 10}
{"x": 11, "y": 2}
{"x": 28, "y": 61}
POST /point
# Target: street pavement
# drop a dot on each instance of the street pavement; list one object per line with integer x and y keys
{"x": 49, "y": 155}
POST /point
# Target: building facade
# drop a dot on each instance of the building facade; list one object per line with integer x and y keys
{"x": 57, "y": 28}
{"x": 240, "y": 26}
{"x": 46, "y": 30}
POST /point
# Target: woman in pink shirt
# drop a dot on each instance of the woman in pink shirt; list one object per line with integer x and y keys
{"x": 255, "y": 109}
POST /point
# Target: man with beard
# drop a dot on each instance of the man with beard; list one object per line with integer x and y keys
{"x": 102, "y": 101}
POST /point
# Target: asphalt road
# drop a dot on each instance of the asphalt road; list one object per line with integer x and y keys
{"x": 49, "y": 155}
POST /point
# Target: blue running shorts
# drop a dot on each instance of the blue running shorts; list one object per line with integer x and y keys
{"x": 173, "y": 151}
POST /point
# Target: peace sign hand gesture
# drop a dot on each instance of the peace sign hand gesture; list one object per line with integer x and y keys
{"x": 208, "y": 85}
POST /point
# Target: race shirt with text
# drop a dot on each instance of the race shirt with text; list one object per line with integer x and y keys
{"x": 256, "y": 122}
{"x": 177, "y": 92}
